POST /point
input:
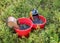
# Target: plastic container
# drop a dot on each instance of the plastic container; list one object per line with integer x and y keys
{"x": 41, "y": 26}
{"x": 26, "y": 31}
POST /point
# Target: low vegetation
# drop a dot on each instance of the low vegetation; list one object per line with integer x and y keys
{"x": 21, "y": 8}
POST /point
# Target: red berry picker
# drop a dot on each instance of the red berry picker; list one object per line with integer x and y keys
{"x": 22, "y": 26}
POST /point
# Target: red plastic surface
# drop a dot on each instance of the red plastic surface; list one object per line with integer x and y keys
{"x": 24, "y": 32}
{"x": 40, "y": 25}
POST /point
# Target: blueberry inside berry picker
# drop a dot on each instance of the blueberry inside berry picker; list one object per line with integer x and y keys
{"x": 23, "y": 26}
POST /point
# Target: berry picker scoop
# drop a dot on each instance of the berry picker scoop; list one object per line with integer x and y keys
{"x": 23, "y": 28}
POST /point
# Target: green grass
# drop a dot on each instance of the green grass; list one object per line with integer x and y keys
{"x": 21, "y": 8}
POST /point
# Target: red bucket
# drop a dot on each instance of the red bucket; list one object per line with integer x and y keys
{"x": 41, "y": 26}
{"x": 26, "y": 31}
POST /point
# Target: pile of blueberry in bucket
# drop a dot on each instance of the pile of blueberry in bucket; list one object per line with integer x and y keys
{"x": 37, "y": 20}
{"x": 24, "y": 26}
